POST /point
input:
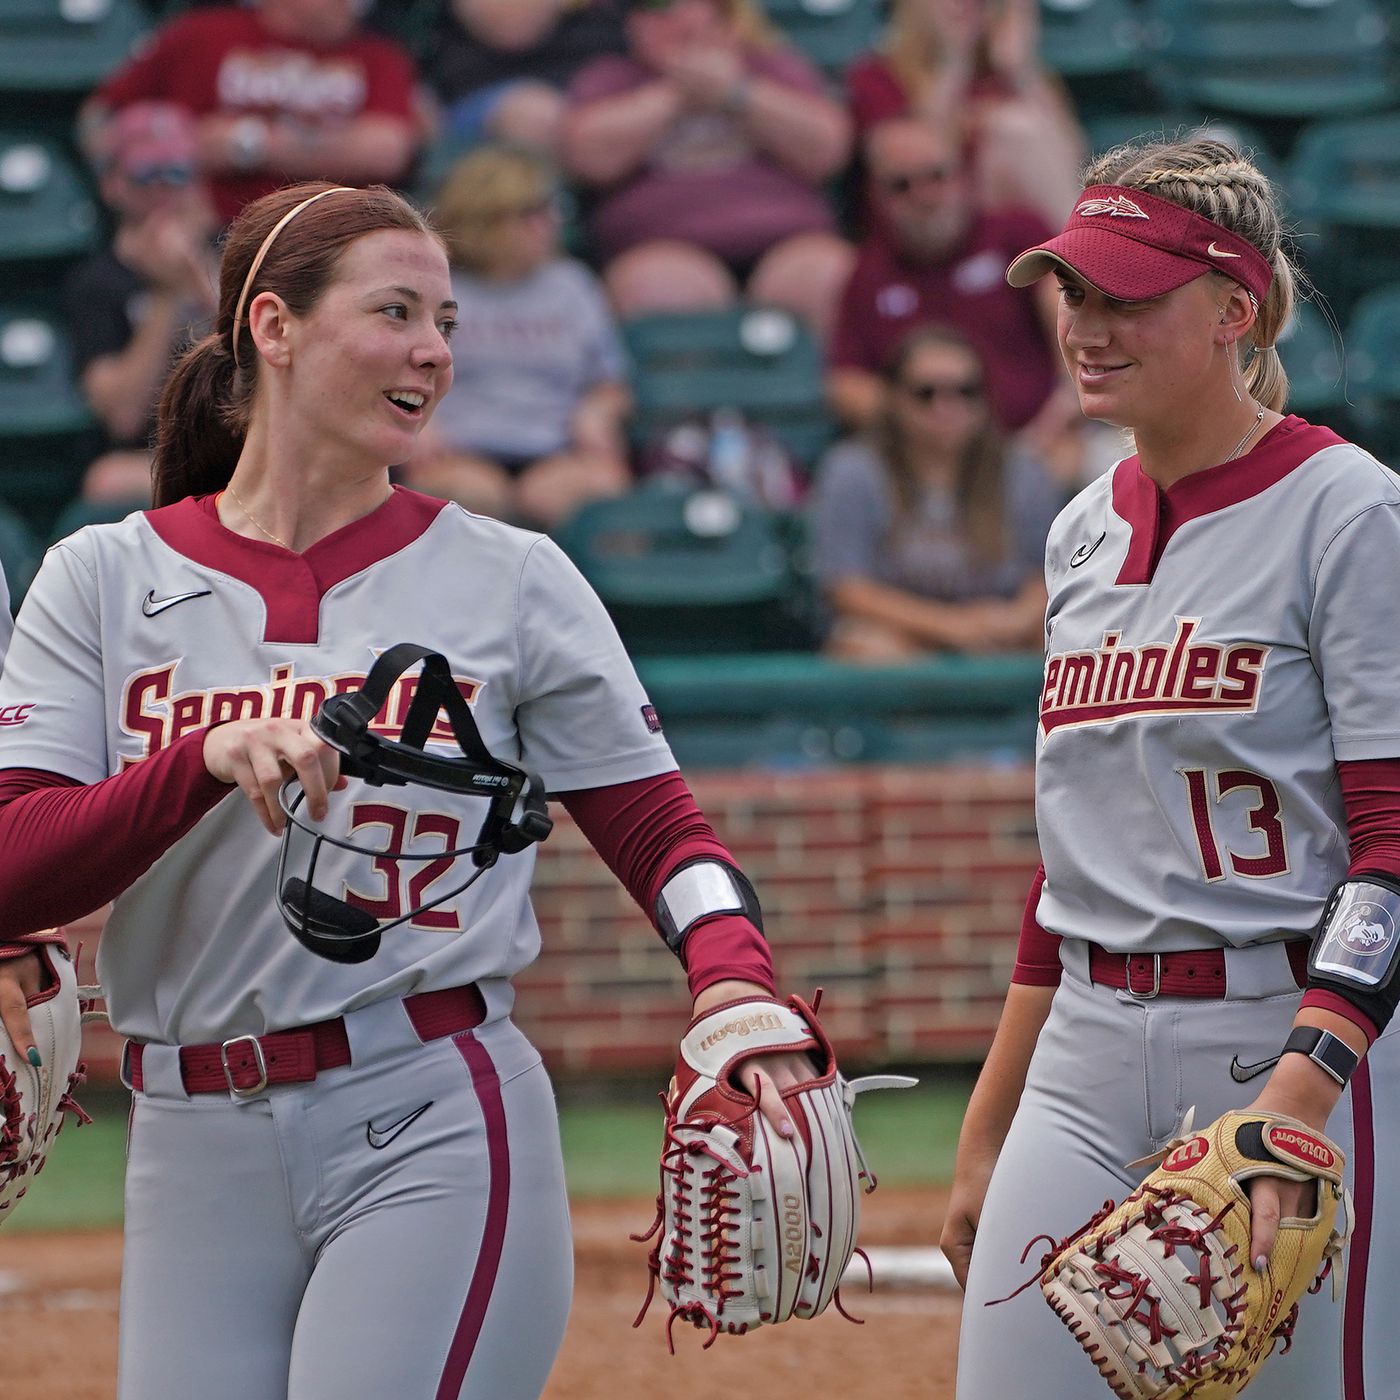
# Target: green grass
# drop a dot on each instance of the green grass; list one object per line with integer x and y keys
{"x": 610, "y": 1148}
{"x": 908, "y": 1135}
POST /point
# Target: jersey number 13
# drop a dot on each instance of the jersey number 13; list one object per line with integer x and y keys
{"x": 1207, "y": 790}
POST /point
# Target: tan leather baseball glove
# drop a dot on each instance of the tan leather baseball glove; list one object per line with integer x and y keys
{"x": 1159, "y": 1290}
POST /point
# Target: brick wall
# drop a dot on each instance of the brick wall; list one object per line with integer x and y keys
{"x": 899, "y": 891}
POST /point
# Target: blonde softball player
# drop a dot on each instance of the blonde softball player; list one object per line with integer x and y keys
{"x": 1219, "y": 752}
{"x": 344, "y": 1179}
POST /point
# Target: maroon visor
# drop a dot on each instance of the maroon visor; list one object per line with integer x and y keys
{"x": 1134, "y": 246}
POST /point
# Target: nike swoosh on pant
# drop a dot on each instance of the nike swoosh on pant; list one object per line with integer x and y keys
{"x": 379, "y": 1138}
{"x": 1242, "y": 1074}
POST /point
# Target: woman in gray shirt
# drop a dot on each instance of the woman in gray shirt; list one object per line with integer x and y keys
{"x": 532, "y": 425}
{"x": 929, "y": 534}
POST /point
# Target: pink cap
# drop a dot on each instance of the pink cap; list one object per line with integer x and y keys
{"x": 147, "y": 136}
{"x": 1134, "y": 246}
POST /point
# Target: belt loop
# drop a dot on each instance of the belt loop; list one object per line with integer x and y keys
{"x": 1156, "y": 976}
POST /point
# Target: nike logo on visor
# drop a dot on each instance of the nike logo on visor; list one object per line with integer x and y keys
{"x": 151, "y": 605}
{"x": 1219, "y": 252}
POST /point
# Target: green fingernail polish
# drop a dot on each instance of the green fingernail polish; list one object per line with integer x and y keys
{"x": 35, "y": 1058}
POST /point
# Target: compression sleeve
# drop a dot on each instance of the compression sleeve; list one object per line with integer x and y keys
{"x": 644, "y": 831}
{"x": 67, "y": 848}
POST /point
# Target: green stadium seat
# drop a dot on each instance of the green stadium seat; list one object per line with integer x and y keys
{"x": 1373, "y": 358}
{"x": 760, "y": 361}
{"x": 831, "y": 33}
{"x": 1092, "y": 38}
{"x": 46, "y": 210}
{"x": 78, "y": 513}
{"x": 689, "y": 571}
{"x": 1344, "y": 192}
{"x": 1114, "y": 129}
{"x": 1311, "y": 350}
{"x": 65, "y": 46}
{"x": 796, "y": 709}
{"x": 20, "y": 553}
{"x": 1286, "y": 59}
{"x": 38, "y": 394}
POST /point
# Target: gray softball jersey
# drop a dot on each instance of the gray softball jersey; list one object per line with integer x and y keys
{"x": 1212, "y": 652}
{"x": 136, "y": 633}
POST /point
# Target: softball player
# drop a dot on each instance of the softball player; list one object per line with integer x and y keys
{"x": 344, "y": 1181}
{"x": 6, "y": 621}
{"x": 1219, "y": 749}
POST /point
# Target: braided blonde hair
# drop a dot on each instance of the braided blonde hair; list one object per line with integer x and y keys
{"x": 1212, "y": 179}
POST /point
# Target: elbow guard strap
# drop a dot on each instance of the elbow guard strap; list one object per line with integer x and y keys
{"x": 699, "y": 890}
{"x": 1356, "y": 950}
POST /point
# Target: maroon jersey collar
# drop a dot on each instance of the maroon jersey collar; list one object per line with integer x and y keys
{"x": 1154, "y": 515}
{"x": 292, "y": 585}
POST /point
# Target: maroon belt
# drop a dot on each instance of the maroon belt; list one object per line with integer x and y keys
{"x": 248, "y": 1064}
{"x": 1195, "y": 973}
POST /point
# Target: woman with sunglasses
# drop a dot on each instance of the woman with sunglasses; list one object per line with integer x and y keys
{"x": 1219, "y": 753}
{"x": 532, "y": 425}
{"x": 928, "y": 532}
{"x": 344, "y": 1178}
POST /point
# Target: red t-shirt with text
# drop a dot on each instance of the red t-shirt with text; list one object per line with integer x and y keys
{"x": 224, "y": 60}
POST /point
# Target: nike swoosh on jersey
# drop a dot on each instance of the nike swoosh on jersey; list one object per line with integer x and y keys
{"x": 1219, "y": 252}
{"x": 380, "y": 1138}
{"x": 1242, "y": 1074}
{"x": 151, "y": 605}
{"x": 1085, "y": 550}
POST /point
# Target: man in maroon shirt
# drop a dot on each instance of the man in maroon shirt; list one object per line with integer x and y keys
{"x": 287, "y": 90}
{"x": 937, "y": 259}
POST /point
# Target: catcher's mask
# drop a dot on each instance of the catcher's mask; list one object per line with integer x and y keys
{"x": 337, "y": 929}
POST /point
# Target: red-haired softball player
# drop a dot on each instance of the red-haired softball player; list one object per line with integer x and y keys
{"x": 1219, "y": 752}
{"x": 344, "y": 1179}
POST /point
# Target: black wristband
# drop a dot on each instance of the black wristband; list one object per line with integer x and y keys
{"x": 1325, "y": 1050}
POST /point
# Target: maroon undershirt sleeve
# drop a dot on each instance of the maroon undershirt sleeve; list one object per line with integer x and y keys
{"x": 644, "y": 830}
{"x": 67, "y": 848}
{"x": 1038, "y": 951}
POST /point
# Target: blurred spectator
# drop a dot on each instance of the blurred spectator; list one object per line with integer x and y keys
{"x": 972, "y": 67}
{"x": 132, "y": 308}
{"x": 709, "y": 145}
{"x": 286, "y": 90}
{"x": 532, "y": 425}
{"x": 941, "y": 260}
{"x": 501, "y": 67}
{"x": 928, "y": 534}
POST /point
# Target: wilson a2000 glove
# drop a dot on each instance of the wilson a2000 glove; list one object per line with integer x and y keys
{"x": 1159, "y": 1291}
{"x": 752, "y": 1227}
{"x": 33, "y": 1100}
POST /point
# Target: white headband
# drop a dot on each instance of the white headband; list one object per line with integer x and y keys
{"x": 262, "y": 253}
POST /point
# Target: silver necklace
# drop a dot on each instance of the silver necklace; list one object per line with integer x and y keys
{"x": 1239, "y": 446}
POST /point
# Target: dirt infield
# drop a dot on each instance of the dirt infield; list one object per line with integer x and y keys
{"x": 58, "y": 1323}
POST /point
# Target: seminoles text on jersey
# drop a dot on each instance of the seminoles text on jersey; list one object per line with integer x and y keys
{"x": 1181, "y": 676}
{"x": 154, "y": 712}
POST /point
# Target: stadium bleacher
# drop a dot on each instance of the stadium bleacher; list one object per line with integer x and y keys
{"x": 1314, "y": 93}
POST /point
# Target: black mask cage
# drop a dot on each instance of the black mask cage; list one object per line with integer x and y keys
{"x": 341, "y": 931}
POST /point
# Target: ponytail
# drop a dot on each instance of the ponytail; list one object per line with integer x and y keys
{"x": 200, "y": 423}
